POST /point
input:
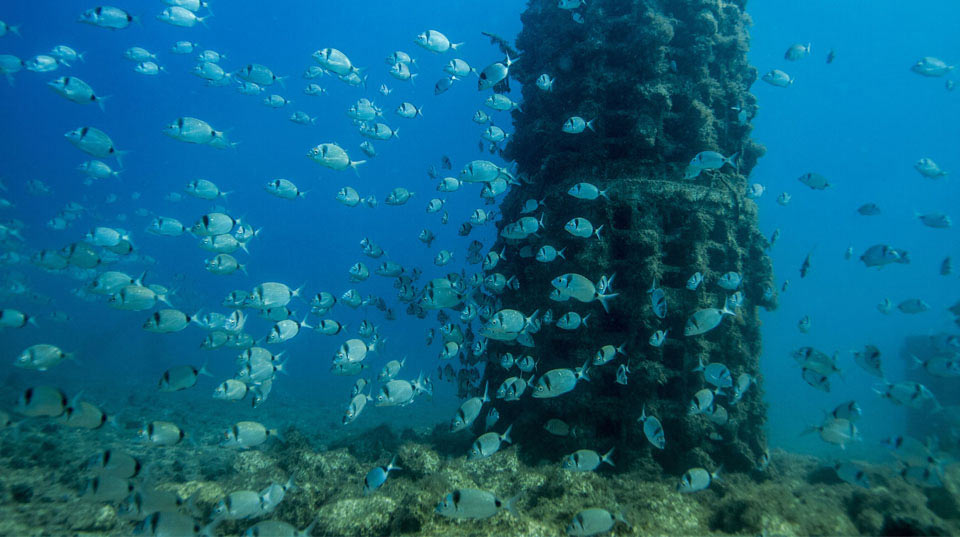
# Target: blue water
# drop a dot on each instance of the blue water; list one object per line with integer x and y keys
{"x": 861, "y": 121}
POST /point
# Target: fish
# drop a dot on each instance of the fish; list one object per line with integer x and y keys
{"x": 181, "y": 377}
{"x": 869, "y": 360}
{"x": 608, "y": 353}
{"x": 248, "y": 434}
{"x": 935, "y": 220}
{"x": 594, "y": 521}
{"x": 11, "y": 318}
{"x": 586, "y": 460}
{"x": 435, "y": 42}
{"x": 835, "y": 431}
{"x": 41, "y": 357}
{"x": 929, "y": 169}
{"x": 622, "y": 373}
{"x": 705, "y": 320}
{"x": 696, "y": 479}
{"x": 815, "y": 181}
{"x": 545, "y": 83}
{"x": 652, "y": 429}
{"x": 109, "y": 17}
{"x": 444, "y": 84}
{"x": 576, "y": 125}
{"x": 755, "y": 191}
{"x": 94, "y": 142}
{"x": 701, "y": 403}
{"x": 797, "y": 51}
{"x": 907, "y": 393}
{"x": 778, "y": 78}
{"x": 333, "y": 156}
{"x": 804, "y": 324}
{"x": 716, "y": 374}
{"x": 173, "y": 523}
{"x": 75, "y": 90}
{"x": 376, "y": 477}
{"x": 559, "y": 428}
{"x": 357, "y": 403}
{"x": 557, "y": 382}
{"x": 658, "y": 338}
{"x": 468, "y": 412}
{"x": 582, "y": 228}
{"x": 231, "y": 390}
{"x": 472, "y": 504}
{"x": 694, "y": 281}
{"x": 494, "y": 73}
{"x": 869, "y": 209}
{"x": 712, "y": 160}
{"x": 930, "y": 66}
{"x": 6, "y": 28}
{"x": 913, "y": 306}
{"x": 848, "y": 411}
{"x": 805, "y": 266}
{"x": 487, "y": 444}
{"x": 161, "y": 433}
{"x": 658, "y": 300}
{"x": 587, "y": 191}
{"x": 181, "y": 16}
{"x": 879, "y": 255}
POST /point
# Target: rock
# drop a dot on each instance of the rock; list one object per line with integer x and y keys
{"x": 252, "y": 461}
{"x": 359, "y": 517}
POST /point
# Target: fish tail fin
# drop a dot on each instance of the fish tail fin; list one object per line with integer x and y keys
{"x": 597, "y": 232}
{"x": 355, "y": 164}
{"x": 505, "y": 437}
{"x": 700, "y": 364}
{"x": 242, "y": 268}
{"x": 583, "y": 374}
{"x": 99, "y": 100}
{"x": 32, "y": 320}
{"x": 396, "y": 133}
{"x": 512, "y": 505}
{"x": 590, "y": 126}
{"x": 117, "y": 154}
{"x": 455, "y": 46}
{"x": 392, "y": 465}
{"x": 809, "y": 429}
{"x": 715, "y": 475}
{"x": 560, "y": 252}
{"x": 419, "y": 112}
{"x": 15, "y": 30}
{"x": 608, "y": 457}
{"x": 203, "y": 370}
{"x": 584, "y": 320}
{"x": 733, "y": 161}
{"x": 603, "y": 301}
{"x": 276, "y": 433}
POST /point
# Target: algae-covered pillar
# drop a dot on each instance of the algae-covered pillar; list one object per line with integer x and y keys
{"x": 662, "y": 80}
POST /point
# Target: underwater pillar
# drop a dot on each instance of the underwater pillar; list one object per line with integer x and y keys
{"x": 663, "y": 80}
